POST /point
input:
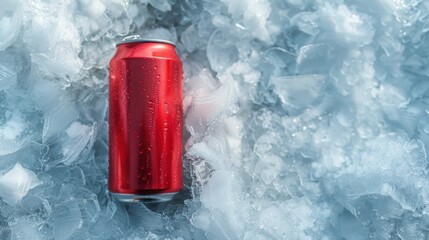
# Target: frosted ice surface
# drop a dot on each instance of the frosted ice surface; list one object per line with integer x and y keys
{"x": 16, "y": 183}
{"x": 52, "y": 38}
{"x": 303, "y": 119}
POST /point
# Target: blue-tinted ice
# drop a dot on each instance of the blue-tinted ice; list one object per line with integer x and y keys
{"x": 305, "y": 119}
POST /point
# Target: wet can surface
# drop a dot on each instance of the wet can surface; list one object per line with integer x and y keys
{"x": 145, "y": 121}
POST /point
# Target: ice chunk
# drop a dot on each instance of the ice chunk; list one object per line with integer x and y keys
{"x": 315, "y": 58}
{"x": 63, "y": 53}
{"x": 5, "y": 230}
{"x": 25, "y": 228}
{"x": 269, "y": 168}
{"x": 203, "y": 82}
{"x": 7, "y": 77}
{"x": 117, "y": 12}
{"x": 391, "y": 96}
{"x": 189, "y": 40}
{"x": 256, "y": 19}
{"x": 83, "y": 136}
{"x": 16, "y": 183}
{"x": 93, "y": 21}
{"x": 11, "y": 18}
{"x": 307, "y": 22}
{"x": 118, "y": 223}
{"x": 53, "y": 40}
{"x": 279, "y": 57}
{"x": 268, "y": 143}
{"x": 75, "y": 146}
{"x": 208, "y": 107}
{"x": 348, "y": 24}
{"x": 67, "y": 219}
{"x": 57, "y": 119}
{"x": 161, "y": 5}
{"x": 28, "y": 155}
{"x": 72, "y": 215}
{"x": 221, "y": 51}
{"x": 234, "y": 129}
{"x": 299, "y": 91}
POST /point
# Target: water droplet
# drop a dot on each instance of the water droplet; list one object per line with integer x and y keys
{"x": 166, "y": 107}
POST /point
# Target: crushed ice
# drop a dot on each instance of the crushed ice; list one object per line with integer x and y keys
{"x": 304, "y": 119}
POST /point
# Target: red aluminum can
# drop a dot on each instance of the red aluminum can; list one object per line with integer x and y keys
{"x": 145, "y": 121}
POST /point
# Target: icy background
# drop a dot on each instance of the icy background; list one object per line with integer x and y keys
{"x": 305, "y": 119}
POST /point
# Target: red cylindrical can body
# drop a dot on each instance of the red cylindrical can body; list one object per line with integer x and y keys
{"x": 145, "y": 121}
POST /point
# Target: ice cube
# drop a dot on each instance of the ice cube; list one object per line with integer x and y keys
{"x": 299, "y": 91}
{"x": 307, "y": 22}
{"x": 12, "y": 134}
{"x": 16, "y": 183}
{"x": 53, "y": 40}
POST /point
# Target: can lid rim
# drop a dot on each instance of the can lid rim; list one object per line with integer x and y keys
{"x": 146, "y": 40}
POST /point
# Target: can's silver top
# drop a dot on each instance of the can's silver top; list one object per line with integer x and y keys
{"x": 137, "y": 39}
